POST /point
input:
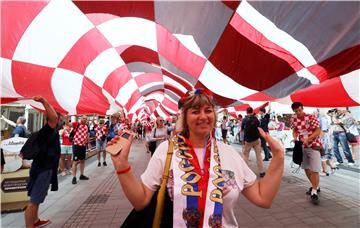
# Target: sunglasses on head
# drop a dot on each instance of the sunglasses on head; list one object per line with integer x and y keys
{"x": 191, "y": 93}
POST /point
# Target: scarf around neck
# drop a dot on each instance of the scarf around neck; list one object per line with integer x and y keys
{"x": 197, "y": 192}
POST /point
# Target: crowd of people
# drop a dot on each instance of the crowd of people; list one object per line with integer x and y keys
{"x": 334, "y": 124}
{"x": 202, "y": 159}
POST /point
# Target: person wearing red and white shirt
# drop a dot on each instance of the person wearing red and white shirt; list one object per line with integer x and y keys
{"x": 80, "y": 141}
{"x": 147, "y": 129}
{"x": 306, "y": 128}
{"x": 66, "y": 148}
{"x": 101, "y": 133}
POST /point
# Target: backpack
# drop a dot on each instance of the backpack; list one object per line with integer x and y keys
{"x": 297, "y": 155}
{"x": 32, "y": 147}
{"x": 251, "y": 125}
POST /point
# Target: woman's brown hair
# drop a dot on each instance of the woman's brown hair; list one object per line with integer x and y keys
{"x": 193, "y": 101}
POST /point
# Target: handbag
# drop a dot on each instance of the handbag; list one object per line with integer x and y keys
{"x": 153, "y": 144}
{"x": 297, "y": 155}
{"x": 159, "y": 212}
{"x": 349, "y": 136}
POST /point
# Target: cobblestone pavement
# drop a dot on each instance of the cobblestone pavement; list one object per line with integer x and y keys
{"x": 99, "y": 202}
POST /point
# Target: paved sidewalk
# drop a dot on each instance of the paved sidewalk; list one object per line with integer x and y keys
{"x": 99, "y": 202}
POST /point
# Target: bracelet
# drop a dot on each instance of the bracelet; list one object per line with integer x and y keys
{"x": 122, "y": 171}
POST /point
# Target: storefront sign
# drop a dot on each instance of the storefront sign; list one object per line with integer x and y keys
{"x": 13, "y": 144}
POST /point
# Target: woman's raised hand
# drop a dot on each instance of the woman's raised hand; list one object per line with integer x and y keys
{"x": 120, "y": 160}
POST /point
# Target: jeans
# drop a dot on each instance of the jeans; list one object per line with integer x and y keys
{"x": 265, "y": 148}
{"x": 341, "y": 137}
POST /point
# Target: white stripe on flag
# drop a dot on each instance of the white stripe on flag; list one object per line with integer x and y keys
{"x": 52, "y": 34}
{"x": 137, "y": 105}
{"x": 66, "y": 86}
{"x": 126, "y": 92}
{"x": 189, "y": 42}
{"x": 156, "y": 96}
{"x": 210, "y": 77}
{"x": 170, "y": 98}
{"x": 130, "y": 31}
{"x": 113, "y": 106}
{"x": 285, "y": 100}
{"x": 103, "y": 65}
{"x": 278, "y": 36}
{"x": 351, "y": 83}
{"x": 150, "y": 85}
{"x": 177, "y": 85}
{"x": 7, "y": 86}
{"x": 160, "y": 112}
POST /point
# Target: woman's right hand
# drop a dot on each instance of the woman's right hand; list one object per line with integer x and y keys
{"x": 275, "y": 146}
{"x": 120, "y": 160}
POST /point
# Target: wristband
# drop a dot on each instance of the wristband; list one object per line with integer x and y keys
{"x": 122, "y": 171}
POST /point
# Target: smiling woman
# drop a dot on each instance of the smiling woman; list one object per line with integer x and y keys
{"x": 198, "y": 114}
{"x": 206, "y": 177}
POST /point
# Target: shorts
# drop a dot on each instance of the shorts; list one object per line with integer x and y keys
{"x": 79, "y": 152}
{"x": 311, "y": 160}
{"x": 65, "y": 149}
{"x": 100, "y": 145}
{"x": 40, "y": 187}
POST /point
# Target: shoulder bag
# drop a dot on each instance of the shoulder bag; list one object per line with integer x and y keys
{"x": 152, "y": 144}
{"x": 349, "y": 136}
{"x": 297, "y": 155}
{"x": 159, "y": 212}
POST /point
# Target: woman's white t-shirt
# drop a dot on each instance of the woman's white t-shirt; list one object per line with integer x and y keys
{"x": 237, "y": 176}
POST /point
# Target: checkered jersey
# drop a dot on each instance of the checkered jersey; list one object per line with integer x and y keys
{"x": 148, "y": 127}
{"x": 82, "y": 134}
{"x": 100, "y": 130}
{"x": 305, "y": 127}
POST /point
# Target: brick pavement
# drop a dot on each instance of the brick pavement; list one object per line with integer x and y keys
{"x": 100, "y": 202}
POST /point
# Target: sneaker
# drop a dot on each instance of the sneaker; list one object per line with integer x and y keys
{"x": 104, "y": 163}
{"x": 83, "y": 177}
{"x": 63, "y": 173}
{"x": 42, "y": 223}
{"x": 99, "y": 164}
{"x": 308, "y": 192}
{"x": 262, "y": 175}
{"x": 324, "y": 174}
{"x": 338, "y": 163}
{"x": 73, "y": 180}
{"x": 351, "y": 163}
{"x": 314, "y": 199}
